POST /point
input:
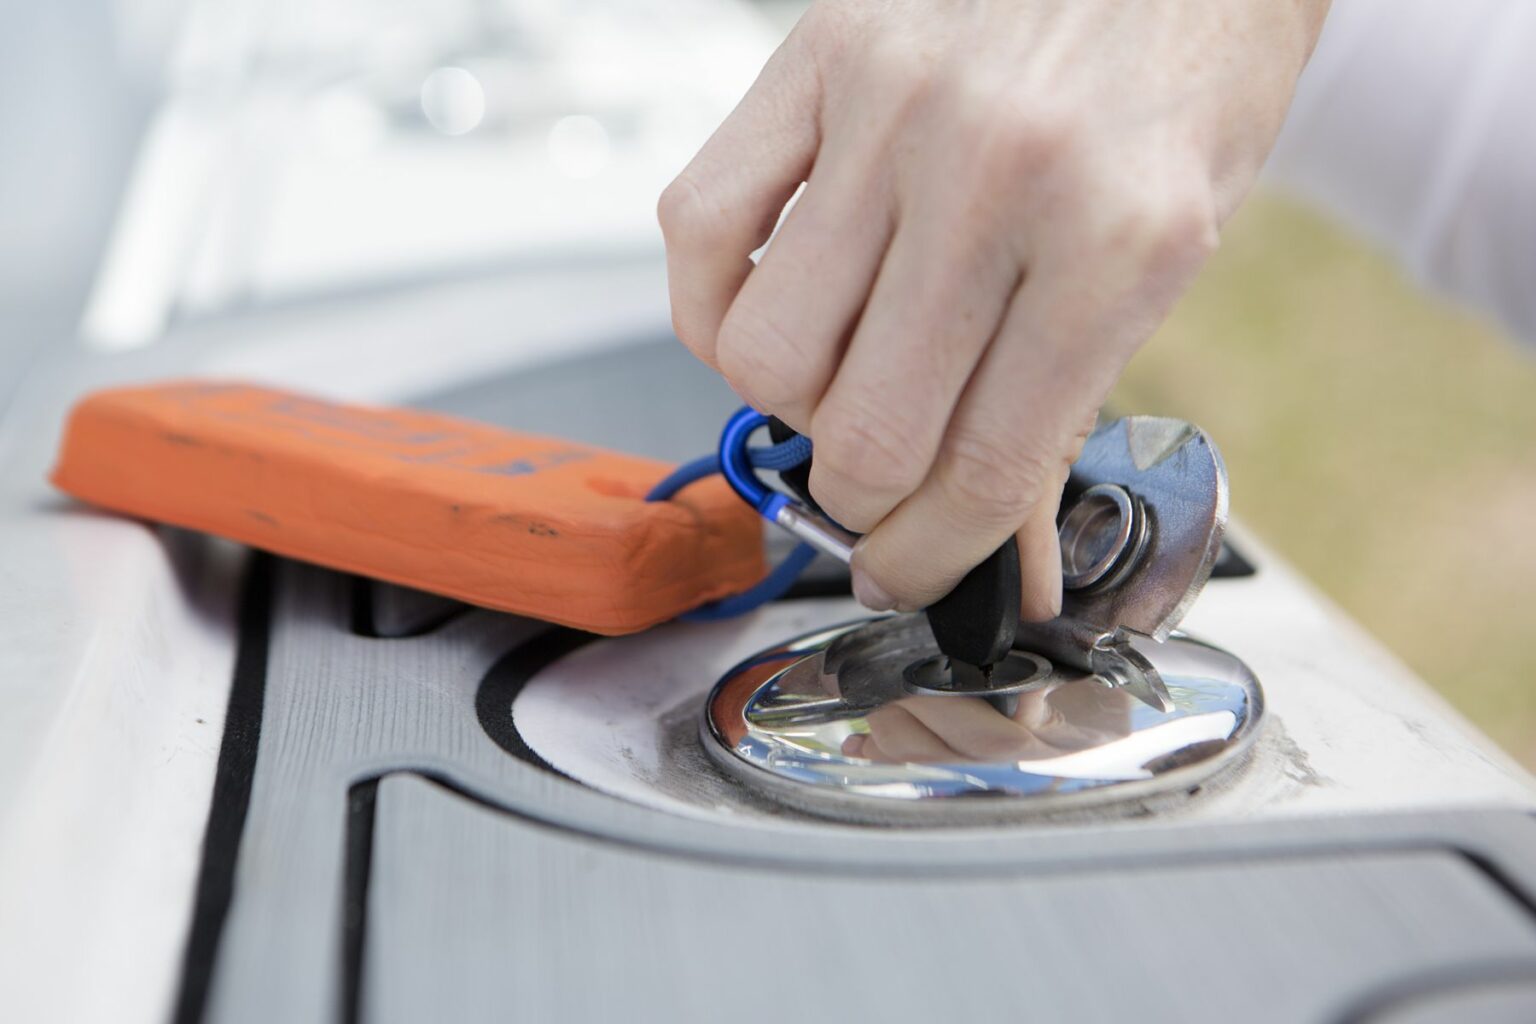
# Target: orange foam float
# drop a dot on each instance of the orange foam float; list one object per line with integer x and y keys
{"x": 522, "y": 523}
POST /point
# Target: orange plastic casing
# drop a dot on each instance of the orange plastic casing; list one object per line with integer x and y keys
{"x": 518, "y": 522}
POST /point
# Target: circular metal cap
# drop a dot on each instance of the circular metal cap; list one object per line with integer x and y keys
{"x": 854, "y": 741}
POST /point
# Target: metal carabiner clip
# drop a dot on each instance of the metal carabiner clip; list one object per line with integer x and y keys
{"x": 774, "y": 505}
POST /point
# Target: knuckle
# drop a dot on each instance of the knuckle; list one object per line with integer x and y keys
{"x": 1030, "y": 140}
{"x": 1176, "y": 230}
{"x": 684, "y": 214}
{"x": 757, "y": 356}
{"x": 866, "y": 450}
{"x": 994, "y": 482}
{"x": 1186, "y": 233}
{"x": 693, "y": 338}
{"x": 1078, "y": 441}
{"x": 894, "y": 66}
{"x": 828, "y": 31}
{"x": 903, "y": 75}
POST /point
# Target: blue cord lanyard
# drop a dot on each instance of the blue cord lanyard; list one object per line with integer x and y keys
{"x": 739, "y": 463}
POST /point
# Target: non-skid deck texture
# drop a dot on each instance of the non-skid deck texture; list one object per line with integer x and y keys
{"x": 399, "y": 861}
{"x": 487, "y": 888}
{"x": 552, "y": 927}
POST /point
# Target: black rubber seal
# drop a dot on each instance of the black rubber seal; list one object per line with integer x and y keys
{"x": 362, "y": 799}
{"x": 506, "y": 679}
{"x": 231, "y": 793}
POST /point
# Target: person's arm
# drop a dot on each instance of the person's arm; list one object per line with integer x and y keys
{"x": 1002, "y": 201}
{"x": 1414, "y": 126}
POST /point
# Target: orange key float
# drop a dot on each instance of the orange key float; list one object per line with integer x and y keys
{"x": 518, "y": 522}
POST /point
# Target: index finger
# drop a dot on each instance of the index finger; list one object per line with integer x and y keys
{"x": 1006, "y": 451}
{"x": 725, "y": 203}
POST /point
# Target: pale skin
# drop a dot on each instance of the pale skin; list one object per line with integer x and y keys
{"x": 1002, "y": 202}
{"x": 942, "y": 730}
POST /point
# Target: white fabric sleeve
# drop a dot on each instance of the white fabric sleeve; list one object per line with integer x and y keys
{"x": 1415, "y": 124}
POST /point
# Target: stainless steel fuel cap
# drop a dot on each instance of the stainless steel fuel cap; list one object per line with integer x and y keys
{"x": 1104, "y": 703}
{"x": 847, "y": 737}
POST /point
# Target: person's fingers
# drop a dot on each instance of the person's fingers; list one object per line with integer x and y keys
{"x": 937, "y": 302}
{"x": 1008, "y": 443}
{"x": 901, "y": 737}
{"x": 724, "y": 204}
{"x": 1086, "y": 716}
{"x": 1067, "y": 718}
{"x": 1040, "y": 544}
{"x": 867, "y": 747}
{"x": 1101, "y": 276}
{"x": 975, "y": 729}
{"x": 1035, "y": 711}
{"x": 784, "y": 333}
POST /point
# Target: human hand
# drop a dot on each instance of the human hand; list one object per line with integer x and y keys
{"x": 1050, "y": 722}
{"x": 1002, "y": 202}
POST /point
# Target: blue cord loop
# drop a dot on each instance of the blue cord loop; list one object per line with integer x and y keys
{"x": 739, "y": 464}
{"x": 736, "y": 462}
{"x": 682, "y": 476}
{"x": 782, "y": 456}
{"x": 769, "y": 588}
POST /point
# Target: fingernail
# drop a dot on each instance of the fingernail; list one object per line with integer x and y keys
{"x": 871, "y": 594}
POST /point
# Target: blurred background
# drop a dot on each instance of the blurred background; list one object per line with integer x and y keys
{"x": 175, "y": 162}
{"x": 1376, "y": 436}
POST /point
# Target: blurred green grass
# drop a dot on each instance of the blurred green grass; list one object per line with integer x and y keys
{"x": 1381, "y": 439}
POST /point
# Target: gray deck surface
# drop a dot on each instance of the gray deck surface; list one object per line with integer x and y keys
{"x": 499, "y": 891}
{"x": 494, "y": 889}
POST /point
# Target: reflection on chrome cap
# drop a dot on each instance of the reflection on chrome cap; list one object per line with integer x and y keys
{"x": 869, "y": 748}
